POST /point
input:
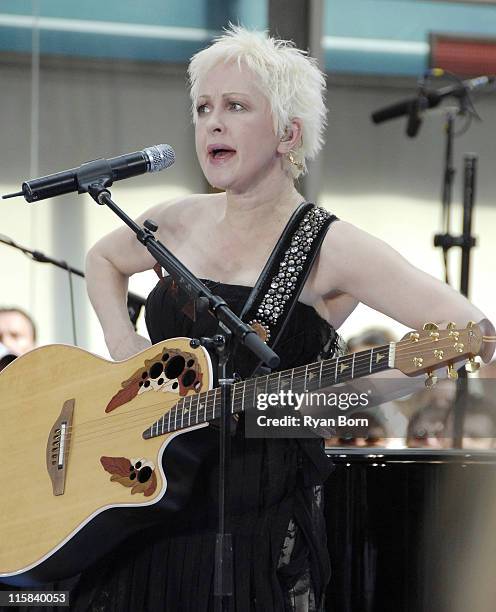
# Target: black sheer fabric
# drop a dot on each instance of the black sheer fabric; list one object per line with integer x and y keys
{"x": 275, "y": 502}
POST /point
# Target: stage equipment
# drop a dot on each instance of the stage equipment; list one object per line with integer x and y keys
{"x": 6, "y": 356}
{"x": 96, "y": 446}
{"x": 151, "y": 159}
{"x": 134, "y": 302}
{"x": 400, "y": 524}
{"x": 426, "y": 98}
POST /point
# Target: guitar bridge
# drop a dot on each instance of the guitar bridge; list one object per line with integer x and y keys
{"x": 57, "y": 450}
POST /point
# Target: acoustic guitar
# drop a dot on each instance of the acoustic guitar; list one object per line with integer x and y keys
{"x": 93, "y": 450}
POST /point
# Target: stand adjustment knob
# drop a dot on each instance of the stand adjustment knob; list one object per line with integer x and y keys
{"x": 150, "y": 225}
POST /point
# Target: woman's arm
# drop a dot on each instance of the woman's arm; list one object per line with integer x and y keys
{"x": 109, "y": 264}
{"x": 356, "y": 263}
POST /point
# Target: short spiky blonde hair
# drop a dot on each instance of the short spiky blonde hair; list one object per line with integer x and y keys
{"x": 291, "y": 80}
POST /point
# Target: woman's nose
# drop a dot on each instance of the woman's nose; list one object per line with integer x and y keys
{"x": 215, "y": 123}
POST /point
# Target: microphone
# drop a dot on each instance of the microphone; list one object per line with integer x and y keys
{"x": 6, "y": 356}
{"x": 151, "y": 159}
{"x": 431, "y": 98}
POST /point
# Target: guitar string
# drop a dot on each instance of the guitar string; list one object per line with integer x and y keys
{"x": 328, "y": 364}
{"x": 209, "y": 409}
{"x": 297, "y": 374}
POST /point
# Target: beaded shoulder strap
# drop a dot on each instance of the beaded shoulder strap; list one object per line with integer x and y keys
{"x": 286, "y": 272}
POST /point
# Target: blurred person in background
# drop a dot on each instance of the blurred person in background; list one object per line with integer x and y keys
{"x": 373, "y": 434}
{"x": 427, "y": 428}
{"x": 17, "y": 334}
{"x": 388, "y": 414}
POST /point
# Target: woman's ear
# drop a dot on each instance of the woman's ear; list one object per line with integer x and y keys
{"x": 291, "y": 139}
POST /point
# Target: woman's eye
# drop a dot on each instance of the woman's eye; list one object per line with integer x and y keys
{"x": 236, "y": 106}
{"x": 202, "y": 109}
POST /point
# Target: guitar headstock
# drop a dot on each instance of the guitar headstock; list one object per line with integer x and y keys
{"x": 427, "y": 350}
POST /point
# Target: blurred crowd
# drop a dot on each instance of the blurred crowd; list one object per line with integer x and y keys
{"x": 448, "y": 415}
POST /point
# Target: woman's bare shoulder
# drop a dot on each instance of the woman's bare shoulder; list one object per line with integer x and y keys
{"x": 186, "y": 210}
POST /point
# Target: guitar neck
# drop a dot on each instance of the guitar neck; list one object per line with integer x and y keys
{"x": 197, "y": 409}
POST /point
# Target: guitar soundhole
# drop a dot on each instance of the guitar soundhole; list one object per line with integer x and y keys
{"x": 156, "y": 369}
{"x": 144, "y": 474}
{"x": 174, "y": 367}
{"x": 189, "y": 378}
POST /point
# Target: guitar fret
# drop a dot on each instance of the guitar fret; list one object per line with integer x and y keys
{"x": 371, "y": 357}
{"x": 320, "y": 373}
{"x": 353, "y": 365}
{"x": 336, "y": 371}
{"x": 243, "y": 397}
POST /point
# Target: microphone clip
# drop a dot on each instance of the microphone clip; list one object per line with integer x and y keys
{"x": 417, "y": 106}
{"x": 94, "y": 177}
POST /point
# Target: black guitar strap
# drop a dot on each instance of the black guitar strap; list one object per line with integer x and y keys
{"x": 279, "y": 286}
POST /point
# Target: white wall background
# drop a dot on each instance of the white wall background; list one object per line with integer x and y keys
{"x": 372, "y": 176}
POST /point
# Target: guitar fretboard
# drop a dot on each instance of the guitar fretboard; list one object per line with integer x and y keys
{"x": 203, "y": 407}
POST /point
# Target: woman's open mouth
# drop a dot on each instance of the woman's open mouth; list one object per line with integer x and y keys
{"x": 220, "y": 153}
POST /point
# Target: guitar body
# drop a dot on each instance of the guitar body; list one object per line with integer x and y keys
{"x": 79, "y": 476}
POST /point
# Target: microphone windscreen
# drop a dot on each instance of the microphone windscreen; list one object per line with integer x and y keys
{"x": 160, "y": 157}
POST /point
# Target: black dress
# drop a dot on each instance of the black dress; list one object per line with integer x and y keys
{"x": 280, "y": 552}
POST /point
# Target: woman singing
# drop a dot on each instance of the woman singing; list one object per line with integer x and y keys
{"x": 259, "y": 115}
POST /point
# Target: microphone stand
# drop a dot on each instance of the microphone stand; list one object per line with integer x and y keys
{"x": 134, "y": 302}
{"x": 94, "y": 179}
{"x": 466, "y": 241}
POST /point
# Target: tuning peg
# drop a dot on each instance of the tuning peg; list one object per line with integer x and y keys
{"x": 452, "y": 373}
{"x": 451, "y": 325}
{"x": 472, "y": 366}
{"x": 471, "y": 324}
{"x": 430, "y": 327}
{"x": 431, "y": 380}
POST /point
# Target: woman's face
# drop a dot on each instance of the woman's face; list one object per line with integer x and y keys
{"x": 235, "y": 140}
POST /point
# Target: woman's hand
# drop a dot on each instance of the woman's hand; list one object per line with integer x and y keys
{"x": 127, "y": 345}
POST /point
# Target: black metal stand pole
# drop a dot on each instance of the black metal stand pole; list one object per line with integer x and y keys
{"x": 230, "y": 327}
{"x": 468, "y": 241}
{"x": 446, "y": 240}
{"x": 469, "y": 182}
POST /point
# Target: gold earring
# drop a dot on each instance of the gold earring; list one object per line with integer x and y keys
{"x": 292, "y": 160}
